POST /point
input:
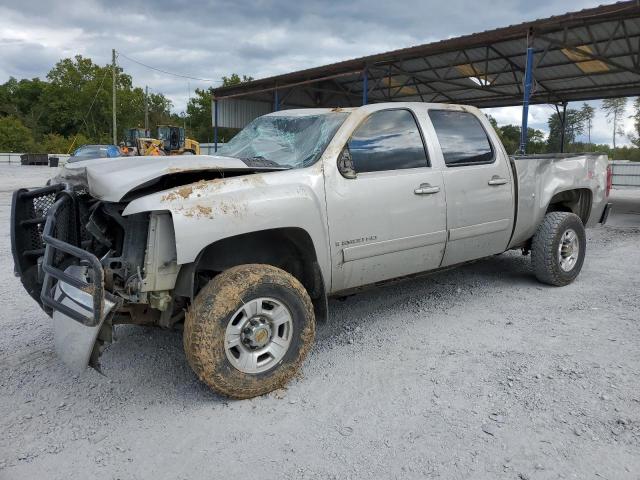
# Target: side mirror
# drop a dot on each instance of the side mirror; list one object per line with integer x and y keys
{"x": 345, "y": 164}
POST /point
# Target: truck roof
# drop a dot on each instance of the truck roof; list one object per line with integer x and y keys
{"x": 372, "y": 106}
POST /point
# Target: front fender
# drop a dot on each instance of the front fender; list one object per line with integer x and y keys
{"x": 208, "y": 211}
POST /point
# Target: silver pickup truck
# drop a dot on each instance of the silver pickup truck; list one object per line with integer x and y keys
{"x": 245, "y": 247}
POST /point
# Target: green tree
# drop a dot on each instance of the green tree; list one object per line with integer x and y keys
{"x": 234, "y": 79}
{"x": 587, "y": 112}
{"x": 55, "y": 143}
{"x": 78, "y": 99}
{"x": 614, "y": 109}
{"x": 574, "y": 126}
{"x": 635, "y": 134}
{"x": 492, "y": 121}
{"x": 75, "y": 100}
{"x": 14, "y": 135}
{"x": 22, "y": 99}
{"x": 199, "y": 115}
{"x": 510, "y": 137}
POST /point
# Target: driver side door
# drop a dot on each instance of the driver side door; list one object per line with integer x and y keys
{"x": 387, "y": 218}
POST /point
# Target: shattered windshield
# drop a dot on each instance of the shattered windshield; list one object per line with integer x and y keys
{"x": 292, "y": 141}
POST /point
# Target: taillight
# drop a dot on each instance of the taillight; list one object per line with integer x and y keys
{"x": 609, "y": 180}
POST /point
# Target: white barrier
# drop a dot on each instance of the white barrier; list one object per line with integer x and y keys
{"x": 10, "y": 157}
{"x": 625, "y": 173}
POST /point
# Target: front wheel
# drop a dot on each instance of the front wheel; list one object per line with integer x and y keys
{"x": 249, "y": 330}
{"x": 558, "y": 248}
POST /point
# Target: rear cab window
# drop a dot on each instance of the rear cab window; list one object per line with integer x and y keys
{"x": 462, "y": 138}
{"x": 388, "y": 140}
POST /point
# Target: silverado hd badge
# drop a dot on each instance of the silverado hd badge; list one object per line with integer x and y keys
{"x": 346, "y": 243}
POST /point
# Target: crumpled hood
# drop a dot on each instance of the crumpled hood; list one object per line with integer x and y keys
{"x": 110, "y": 179}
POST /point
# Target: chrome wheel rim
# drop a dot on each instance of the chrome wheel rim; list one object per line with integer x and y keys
{"x": 568, "y": 250}
{"x": 258, "y": 335}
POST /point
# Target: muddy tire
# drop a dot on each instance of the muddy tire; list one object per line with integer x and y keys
{"x": 249, "y": 330}
{"x": 558, "y": 248}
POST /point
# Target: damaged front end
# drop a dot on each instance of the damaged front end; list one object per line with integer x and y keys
{"x": 81, "y": 260}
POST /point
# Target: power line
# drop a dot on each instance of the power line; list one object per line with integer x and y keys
{"x": 165, "y": 71}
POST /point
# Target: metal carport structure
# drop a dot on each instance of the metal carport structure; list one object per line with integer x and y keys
{"x": 585, "y": 55}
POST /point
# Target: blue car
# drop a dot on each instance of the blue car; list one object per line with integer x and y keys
{"x": 87, "y": 152}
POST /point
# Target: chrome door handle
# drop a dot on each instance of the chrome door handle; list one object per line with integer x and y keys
{"x": 497, "y": 181}
{"x": 426, "y": 189}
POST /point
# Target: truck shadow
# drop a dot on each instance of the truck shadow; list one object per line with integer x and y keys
{"x": 153, "y": 360}
{"x": 446, "y": 288}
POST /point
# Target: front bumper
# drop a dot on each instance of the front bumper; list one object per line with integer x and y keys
{"x": 75, "y": 341}
{"x": 95, "y": 272}
{"x": 46, "y": 227}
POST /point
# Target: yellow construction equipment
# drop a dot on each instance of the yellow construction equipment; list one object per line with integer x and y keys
{"x": 139, "y": 142}
{"x": 170, "y": 141}
{"x": 175, "y": 142}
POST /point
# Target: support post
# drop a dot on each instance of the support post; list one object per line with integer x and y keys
{"x": 276, "y": 100}
{"x": 113, "y": 106}
{"x": 528, "y": 80}
{"x": 563, "y": 126}
{"x": 215, "y": 125}
{"x": 365, "y": 86}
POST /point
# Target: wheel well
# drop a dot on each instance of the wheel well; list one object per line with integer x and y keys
{"x": 290, "y": 249}
{"x": 576, "y": 201}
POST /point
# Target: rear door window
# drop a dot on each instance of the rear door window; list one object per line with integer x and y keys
{"x": 388, "y": 140}
{"x": 462, "y": 138}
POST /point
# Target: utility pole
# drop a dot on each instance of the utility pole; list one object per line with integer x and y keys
{"x": 146, "y": 108}
{"x": 113, "y": 74}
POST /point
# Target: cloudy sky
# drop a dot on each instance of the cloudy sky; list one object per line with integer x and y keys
{"x": 260, "y": 38}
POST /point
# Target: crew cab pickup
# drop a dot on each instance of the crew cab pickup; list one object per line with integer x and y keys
{"x": 244, "y": 248}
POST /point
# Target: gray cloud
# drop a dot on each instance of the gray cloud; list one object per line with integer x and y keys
{"x": 23, "y": 59}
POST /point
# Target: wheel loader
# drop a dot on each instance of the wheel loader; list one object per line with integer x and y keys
{"x": 175, "y": 141}
{"x": 169, "y": 141}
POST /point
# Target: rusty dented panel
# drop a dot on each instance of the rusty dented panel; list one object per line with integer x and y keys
{"x": 208, "y": 211}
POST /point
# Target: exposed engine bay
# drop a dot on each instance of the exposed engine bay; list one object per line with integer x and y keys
{"x": 120, "y": 243}
{"x": 93, "y": 254}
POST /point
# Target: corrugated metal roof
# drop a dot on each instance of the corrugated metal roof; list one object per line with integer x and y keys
{"x": 593, "y": 53}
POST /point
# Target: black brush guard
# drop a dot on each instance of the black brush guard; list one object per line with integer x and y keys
{"x": 30, "y": 210}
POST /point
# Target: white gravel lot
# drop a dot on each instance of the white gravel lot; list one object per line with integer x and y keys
{"x": 479, "y": 372}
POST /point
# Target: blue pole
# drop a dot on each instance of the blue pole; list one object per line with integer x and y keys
{"x": 215, "y": 126}
{"x": 276, "y": 101}
{"x": 365, "y": 86}
{"x": 528, "y": 76}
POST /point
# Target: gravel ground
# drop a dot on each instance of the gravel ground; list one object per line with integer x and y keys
{"x": 478, "y": 372}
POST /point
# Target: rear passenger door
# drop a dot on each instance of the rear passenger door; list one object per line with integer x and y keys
{"x": 388, "y": 218}
{"x": 478, "y": 184}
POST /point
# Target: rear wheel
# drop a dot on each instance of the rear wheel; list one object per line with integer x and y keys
{"x": 249, "y": 330}
{"x": 558, "y": 248}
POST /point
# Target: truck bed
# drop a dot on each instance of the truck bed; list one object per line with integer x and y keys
{"x": 540, "y": 178}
